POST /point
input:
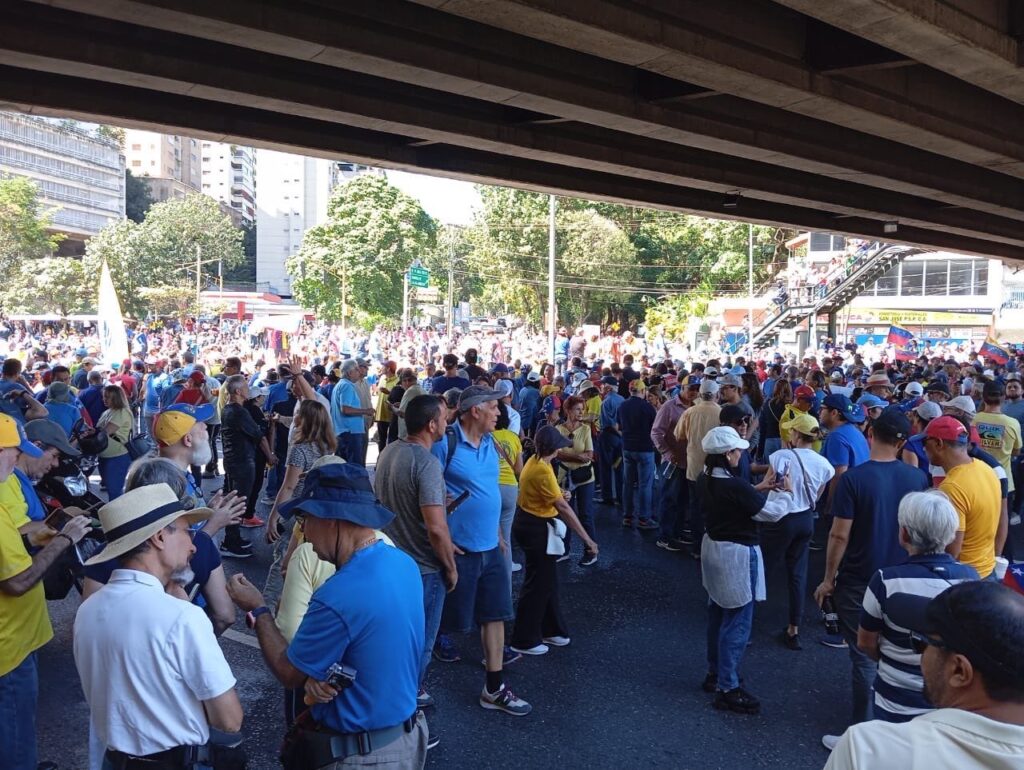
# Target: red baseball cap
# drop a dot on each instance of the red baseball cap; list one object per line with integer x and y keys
{"x": 197, "y": 377}
{"x": 947, "y": 429}
{"x": 804, "y": 391}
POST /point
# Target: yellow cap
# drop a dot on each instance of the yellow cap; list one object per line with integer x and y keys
{"x": 802, "y": 422}
{"x": 12, "y": 436}
{"x": 637, "y": 385}
{"x": 171, "y": 427}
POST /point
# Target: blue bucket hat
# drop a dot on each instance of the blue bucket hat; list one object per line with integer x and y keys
{"x": 340, "y": 491}
{"x": 851, "y": 412}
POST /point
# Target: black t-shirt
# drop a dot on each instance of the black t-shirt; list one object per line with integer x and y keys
{"x": 729, "y": 508}
{"x": 475, "y": 371}
{"x": 240, "y": 434}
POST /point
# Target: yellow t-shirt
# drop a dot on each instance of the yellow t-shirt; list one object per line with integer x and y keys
{"x": 24, "y": 620}
{"x": 13, "y": 499}
{"x": 119, "y": 422}
{"x": 1000, "y": 437}
{"x": 383, "y": 407}
{"x": 582, "y": 441}
{"x": 788, "y": 414}
{"x": 538, "y": 489}
{"x": 513, "y": 447}
{"x": 593, "y": 409}
{"x": 974, "y": 491}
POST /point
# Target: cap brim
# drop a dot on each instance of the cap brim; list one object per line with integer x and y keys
{"x": 204, "y": 412}
{"x": 908, "y": 611}
{"x": 30, "y": 449}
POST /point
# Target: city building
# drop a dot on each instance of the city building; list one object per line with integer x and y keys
{"x": 292, "y": 197}
{"x": 229, "y": 176}
{"x": 80, "y": 174}
{"x": 170, "y": 163}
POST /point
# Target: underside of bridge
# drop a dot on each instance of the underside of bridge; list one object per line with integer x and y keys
{"x": 830, "y": 115}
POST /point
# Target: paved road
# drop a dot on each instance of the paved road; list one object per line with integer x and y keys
{"x": 625, "y": 693}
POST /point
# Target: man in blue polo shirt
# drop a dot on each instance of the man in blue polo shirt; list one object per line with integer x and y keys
{"x": 845, "y": 446}
{"x": 609, "y": 443}
{"x": 366, "y": 620}
{"x": 348, "y": 414}
{"x": 483, "y": 595}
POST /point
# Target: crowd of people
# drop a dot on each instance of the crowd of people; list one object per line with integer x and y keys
{"x": 489, "y": 460}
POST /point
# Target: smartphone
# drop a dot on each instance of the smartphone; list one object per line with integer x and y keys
{"x": 58, "y": 519}
{"x": 457, "y": 501}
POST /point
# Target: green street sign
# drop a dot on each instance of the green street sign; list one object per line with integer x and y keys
{"x": 419, "y": 277}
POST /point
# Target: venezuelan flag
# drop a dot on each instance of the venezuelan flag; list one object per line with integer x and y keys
{"x": 899, "y": 336}
{"x": 993, "y": 351}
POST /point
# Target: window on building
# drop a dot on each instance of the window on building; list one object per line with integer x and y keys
{"x": 136, "y": 147}
{"x": 936, "y": 277}
{"x": 838, "y": 243}
{"x": 820, "y": 242}
{"x": 887, "y": 285}
{"x": 136, "y": 163}
{"x": 980, "y": 277}
{"x": 912, "y": 279}
{"x": 960, "y": 277}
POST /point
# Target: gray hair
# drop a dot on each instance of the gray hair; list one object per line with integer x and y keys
{"x": 929, "y": 520}
{"x": 235, "y": 383}
{"x": 155, "y": 470}
{"x": 348, "y": 365}
{"x": 95, "y": 377}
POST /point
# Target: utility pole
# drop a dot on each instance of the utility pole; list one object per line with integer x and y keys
{"x": 551, "y": 278}
{"x": 405, "y": 300}
{"x": 199, "y": 280}
{"x": 449, "y": 314}
{"x": 344, "y": 299}
{"x": 750, "y": 261}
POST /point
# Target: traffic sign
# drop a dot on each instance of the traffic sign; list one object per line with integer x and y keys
{"x": 419, "y": 277}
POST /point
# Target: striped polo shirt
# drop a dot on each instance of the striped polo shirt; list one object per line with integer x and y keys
{"x": 899, "y": 686}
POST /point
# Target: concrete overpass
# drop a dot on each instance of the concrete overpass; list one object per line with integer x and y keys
{"x": 847, "y": 116}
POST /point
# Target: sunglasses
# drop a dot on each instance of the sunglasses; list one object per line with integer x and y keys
{"x": 918, "y": 642}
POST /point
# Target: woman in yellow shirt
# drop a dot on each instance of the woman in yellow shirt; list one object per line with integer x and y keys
{"x": 577, "y": 470}
{"x": 510, "y": 465}
{"x": 117, "y": 422}
{"x": 539, "y": 620}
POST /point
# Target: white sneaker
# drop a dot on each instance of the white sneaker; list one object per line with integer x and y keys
{"x": 829, "y": 741}
{"x": 1015, "y": 520}
{"x": 557, "y": 641}
{"x": 516, "y": 567}
{"x": 539, "y": 649}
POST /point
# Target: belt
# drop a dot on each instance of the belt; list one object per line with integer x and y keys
{"x": 179, "y": 756}
{"x": 347, "y": 744}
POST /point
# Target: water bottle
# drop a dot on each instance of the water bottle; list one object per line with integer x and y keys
{"x": 831, "y": 616}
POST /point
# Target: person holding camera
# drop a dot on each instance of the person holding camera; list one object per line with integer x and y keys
{"x": 357, "y": 650}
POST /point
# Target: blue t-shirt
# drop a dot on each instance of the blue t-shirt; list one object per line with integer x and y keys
{"x": 369, "y": 617}
{"x": 275, "y": 394}
{"x": 474, "y": 524}
{"x": 870, "y": 494}
{"x": 846, "y": 445}
{"x": 345, "y": 394}
{"x": 155, "y": 385}
{"x": 440, "y": 384}
{"x": 610, "y": 410}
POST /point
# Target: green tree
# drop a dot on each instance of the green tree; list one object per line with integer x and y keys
{"x": 137, "y": 196}
{"x": 373, "y": 233}
{"x": 24, "y": 226}
{"x": 50, "y": 285}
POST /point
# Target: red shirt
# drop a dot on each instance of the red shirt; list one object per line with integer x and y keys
{"x": 192, "y": 396}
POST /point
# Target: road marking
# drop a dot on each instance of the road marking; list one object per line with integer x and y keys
{"x": 238, "y": 636}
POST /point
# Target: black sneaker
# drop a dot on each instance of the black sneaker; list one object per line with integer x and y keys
{"x": 710, "y": 683}
{"x": 235, "y": 551}
{"x": 816, "y": 546}
{"x": 588, "y": 559}
{"x": 792, "y": 641}
{"x": 738, "y": 700}
{"x": 667, "y": 544}
{"x": 684, "y": 539}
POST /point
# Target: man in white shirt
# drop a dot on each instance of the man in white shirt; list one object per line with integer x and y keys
{"x": 152, "y": 672}
{"x": 970, "y": 637}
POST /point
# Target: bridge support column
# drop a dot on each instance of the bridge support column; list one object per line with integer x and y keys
{"x": 832, "y": 316}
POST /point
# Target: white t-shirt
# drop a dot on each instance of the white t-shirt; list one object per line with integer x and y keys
{"x": 819, "y": 473}
{"x": 945, "y": 739}
{"x": 147, "y": 661}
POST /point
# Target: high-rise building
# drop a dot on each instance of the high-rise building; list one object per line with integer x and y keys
{"x": 229, "y": 176}
{"x": 171, "y": 163}
{"x": 79, "y": 173}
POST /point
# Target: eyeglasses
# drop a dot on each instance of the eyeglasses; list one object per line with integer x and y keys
{"x": 918, "y": 642}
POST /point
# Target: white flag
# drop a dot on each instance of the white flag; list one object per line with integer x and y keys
{"x": 113, "y": 338}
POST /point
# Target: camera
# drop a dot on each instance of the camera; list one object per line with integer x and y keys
{"x": 340, "y": 676}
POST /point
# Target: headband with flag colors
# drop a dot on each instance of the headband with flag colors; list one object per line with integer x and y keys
{"x": 993, "y": 351}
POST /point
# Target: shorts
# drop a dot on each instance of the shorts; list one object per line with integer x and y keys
{"x": 483, "y": 593}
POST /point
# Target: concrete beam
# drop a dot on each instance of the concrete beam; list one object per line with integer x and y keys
{"x": 756, "y": 51}
{"x": 83, "y": 46}
{"x": 416, "y": 45}
{"x": 934, "y": 33}
{"x": 47, "y": 94}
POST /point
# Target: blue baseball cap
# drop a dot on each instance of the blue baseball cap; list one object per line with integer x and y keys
{"x": 200, "y": 413}
{"x": 870, "y": 401}
{"x": 851, "y": 412}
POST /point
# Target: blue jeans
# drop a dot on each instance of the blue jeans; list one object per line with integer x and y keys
{"x": 113, "y": 471}
{"x": 639, "y": 471}
{"x": 849, "y": 598}
{"x": 434, "y": 591}
{"x": 728, "y": 634}
{"x": 352, "y": 448}
{"x": 582, "y": 503}
{"x": 609, "y": 451}
{"x": 19, "y": 691}
{"x": 674, "y": 500}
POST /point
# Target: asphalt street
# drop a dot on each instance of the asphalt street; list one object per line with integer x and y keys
{"x": 625, "y": 693}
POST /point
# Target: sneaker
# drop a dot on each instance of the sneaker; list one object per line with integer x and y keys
{"x": 267, "y": 500}
{"x": 588, "y": 559}
{"x": 829, "y": 741}
{"x": 667, "y": 544}
{"x": 252, "y": 523}
{"x": 710, "y": 683}
{"x": 445, "y": 650}
{"x": 557, "y": 641}
{"x": 627, "y": 521}
{"x": 563, "y": 557}
{"x": 433, "y": 739}
{"x": 684, "y": 539}
{"x": 1015, "y": 520}
{"x": 505, "y": 700}
{"x": 235, "y": 551}
{"x": 508, "y": 657}
{"x": 516, "y": 567}
{"x": 816, "y": 546}
{"x": 792, "y": 641}
{"x": 537, "y": 649}
{"x": 835, "y": 640}
{"x": 739, "y": 701}
{"x": 647, "y": 524}
{"x": 424, "y": 700}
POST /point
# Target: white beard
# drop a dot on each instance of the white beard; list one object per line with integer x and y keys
{"x": 183, "y": 576}
{"x": 202, "y": 455}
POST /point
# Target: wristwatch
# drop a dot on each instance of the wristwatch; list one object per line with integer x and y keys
{"x": 250, "y": 618}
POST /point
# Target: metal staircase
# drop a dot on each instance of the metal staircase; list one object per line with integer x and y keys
{"x": 878, "y": 260}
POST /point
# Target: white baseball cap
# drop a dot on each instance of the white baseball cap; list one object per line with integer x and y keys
{"x": 722, "y": 439}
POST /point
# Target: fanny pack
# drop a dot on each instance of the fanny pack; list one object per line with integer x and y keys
{"x": 308, "y": 745}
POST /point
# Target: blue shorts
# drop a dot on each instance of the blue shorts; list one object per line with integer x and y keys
{"x": 482, "y": 595}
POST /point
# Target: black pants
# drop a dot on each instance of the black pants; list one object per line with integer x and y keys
{"x": 382, "y": 435}
{"x": 538, "y": 614}
{"x": 237, "y": 478}
{"x": 788, "y": 540}
{"x": 259, "y": 468}
{"x": 214, "y": 430}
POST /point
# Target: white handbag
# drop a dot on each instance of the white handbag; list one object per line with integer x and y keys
{"x": 556, "y": 537}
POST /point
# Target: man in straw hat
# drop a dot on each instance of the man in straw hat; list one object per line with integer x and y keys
{"x": 357, "y": 650}
{"x": 153, "y": 698}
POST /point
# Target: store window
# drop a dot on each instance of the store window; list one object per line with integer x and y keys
{"x": 912, "y": 279}
{"x": 960, "y": 277}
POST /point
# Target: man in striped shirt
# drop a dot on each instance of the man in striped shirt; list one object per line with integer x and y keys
{"x": 928, "y": 523}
